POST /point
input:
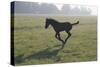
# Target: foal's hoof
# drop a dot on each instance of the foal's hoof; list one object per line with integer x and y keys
{"x": 63, "y": 42}
{"x": 62, "y": 46}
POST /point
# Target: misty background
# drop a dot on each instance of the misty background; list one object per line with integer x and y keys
{"x": 51, "y": 9}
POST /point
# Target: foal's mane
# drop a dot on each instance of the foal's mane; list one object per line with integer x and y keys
{"x": 55, "y": 21}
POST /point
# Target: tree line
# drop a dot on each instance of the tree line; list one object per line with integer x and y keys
{"x": 46, "y": 8}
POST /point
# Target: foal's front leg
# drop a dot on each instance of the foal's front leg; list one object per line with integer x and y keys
{"x": 56, "y": 36}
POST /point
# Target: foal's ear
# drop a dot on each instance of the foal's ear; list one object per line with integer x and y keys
{"x": 46, "y": 18}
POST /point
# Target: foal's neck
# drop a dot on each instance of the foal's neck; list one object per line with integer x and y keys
{"x": 54, "y": 22}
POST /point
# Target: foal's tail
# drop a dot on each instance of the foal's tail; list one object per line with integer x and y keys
{"x": 76, "y": 23}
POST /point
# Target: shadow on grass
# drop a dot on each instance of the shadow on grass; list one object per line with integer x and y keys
{"x": 48, "y": 53}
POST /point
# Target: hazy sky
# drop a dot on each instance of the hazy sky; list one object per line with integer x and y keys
{"x": 28, "y": 7}
{"x": 92, "y": 8}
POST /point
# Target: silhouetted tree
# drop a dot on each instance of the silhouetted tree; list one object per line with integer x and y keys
{"x": 81, "y": 11}
{"x": 46, "y": 8}
{"x": 77, "y": 10}
{"x": 26, "y": 7}
{"x": 35, "y": 8}
{"x": 66, "y": 9}
{"x": 85, "y": 11}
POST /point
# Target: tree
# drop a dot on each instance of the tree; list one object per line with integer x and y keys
{"x": 81, "y": 11}
{"x": 85, "y": 11}
{"x": 26, "y": 7}
{"x": 75, "y": 11}
{"x": 35, "y": 8}
{"x": 66, "y": 9}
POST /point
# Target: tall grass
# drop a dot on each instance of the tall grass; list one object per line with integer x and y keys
{"x": 34, "y": 44}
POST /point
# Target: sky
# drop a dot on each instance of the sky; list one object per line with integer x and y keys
{"x": 22, "y": 7}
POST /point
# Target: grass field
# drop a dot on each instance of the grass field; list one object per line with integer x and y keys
{"x": 34, "y": 44}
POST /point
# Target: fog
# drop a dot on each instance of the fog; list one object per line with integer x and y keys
{"x": 51, "y": 9}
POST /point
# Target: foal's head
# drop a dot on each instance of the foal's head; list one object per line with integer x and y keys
{"x": 47, "y": 23}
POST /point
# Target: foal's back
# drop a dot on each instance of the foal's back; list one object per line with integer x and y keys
{"x": 65, "y": 26}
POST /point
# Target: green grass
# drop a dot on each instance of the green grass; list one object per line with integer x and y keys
{"x": 34, "y": 44}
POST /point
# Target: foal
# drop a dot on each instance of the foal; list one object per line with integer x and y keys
{"x": 58, "y": 27}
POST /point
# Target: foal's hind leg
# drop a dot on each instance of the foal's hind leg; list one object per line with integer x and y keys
{"x": 69, "y": 34}
{"x": 58, "y": 37}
